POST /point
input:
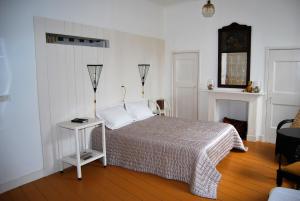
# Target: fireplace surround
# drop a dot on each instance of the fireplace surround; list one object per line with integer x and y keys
{"x": 255, "y": 109}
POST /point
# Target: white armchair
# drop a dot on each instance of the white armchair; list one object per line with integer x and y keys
{"x": 284, "y": 194}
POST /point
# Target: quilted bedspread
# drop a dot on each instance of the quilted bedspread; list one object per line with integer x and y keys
{"x": 173, "y": 148}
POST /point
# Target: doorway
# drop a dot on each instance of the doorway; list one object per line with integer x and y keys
{"x": 185, "y": 84}
{"x": 283, "y": 78}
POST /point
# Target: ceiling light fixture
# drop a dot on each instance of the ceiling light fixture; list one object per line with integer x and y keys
{"x": 208, "y": 10}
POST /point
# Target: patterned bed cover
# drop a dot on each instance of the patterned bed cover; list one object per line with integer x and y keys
{"x": 173, "y": 148}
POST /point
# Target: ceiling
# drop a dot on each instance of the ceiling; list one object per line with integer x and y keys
{"x": 169, "y": 2}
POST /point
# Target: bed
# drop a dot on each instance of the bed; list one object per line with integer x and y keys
{"x": 173, "y": 148}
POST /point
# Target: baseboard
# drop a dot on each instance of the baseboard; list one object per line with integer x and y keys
{"x": 29, "y": 178}
{"x": 21, "y": 181}
{"x": 47, "y": 172}
{"x": 54, "y": 170}
{"x": 271, "y": 139}
{"x": 260, "y": 138}
{"x": 254, "y": 138}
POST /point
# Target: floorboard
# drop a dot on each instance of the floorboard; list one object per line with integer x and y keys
{"x": 245, "y": 177}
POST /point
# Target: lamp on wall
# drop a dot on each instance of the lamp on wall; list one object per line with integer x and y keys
{"x": 95, "y": 72}
{"x": 124, "y": 92}
{"x": 143, "y": 69}
{"x": 208, "y": 10}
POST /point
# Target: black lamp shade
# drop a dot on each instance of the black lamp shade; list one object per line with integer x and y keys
{"x": 143, "y": 69}
{"x": 95, "y": 72}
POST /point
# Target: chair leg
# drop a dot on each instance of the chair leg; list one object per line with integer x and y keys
{"x": 278, "y": 178}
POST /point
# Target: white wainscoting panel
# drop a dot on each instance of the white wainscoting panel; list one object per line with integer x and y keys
{"x": 64, "y": 86}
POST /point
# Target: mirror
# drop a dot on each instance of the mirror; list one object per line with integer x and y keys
{"x": 234, "y": 56}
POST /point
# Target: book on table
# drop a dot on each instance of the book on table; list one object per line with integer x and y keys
{"x": 79, "y": 120}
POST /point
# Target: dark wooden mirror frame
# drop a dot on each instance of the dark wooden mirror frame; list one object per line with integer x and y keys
{"x": 242, "y": 33}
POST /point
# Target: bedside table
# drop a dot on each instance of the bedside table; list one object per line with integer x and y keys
{"x": 79, "y": 159}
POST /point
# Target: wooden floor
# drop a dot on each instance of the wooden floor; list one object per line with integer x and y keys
{"x": 245, "y": 176}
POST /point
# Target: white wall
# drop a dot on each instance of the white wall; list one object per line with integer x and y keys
{"x": 20, "y": 141}
{"x": 275, "y": 23}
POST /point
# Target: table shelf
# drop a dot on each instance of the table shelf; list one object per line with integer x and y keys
{"x": 71, "y": 159}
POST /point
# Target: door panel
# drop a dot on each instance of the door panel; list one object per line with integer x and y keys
{"x": 186, "y": 95}
{"x": 184, "y": 71}
{"x": 287, "y": 76}
{"x": 185, "y": 85}
{"x": 283, "y": 88}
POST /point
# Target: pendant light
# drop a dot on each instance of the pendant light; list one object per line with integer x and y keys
{"x": 208, "y": 10}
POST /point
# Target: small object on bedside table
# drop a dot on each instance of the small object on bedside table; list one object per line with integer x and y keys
{"x": 79, "y": 120}
{"x": 85, "y": 156}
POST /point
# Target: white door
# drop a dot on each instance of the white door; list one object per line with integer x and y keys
{"x": 185, "y": 85}
{"x": 283, "y": 88}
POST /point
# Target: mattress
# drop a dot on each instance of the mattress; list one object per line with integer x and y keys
{"x": 172, "y": 148}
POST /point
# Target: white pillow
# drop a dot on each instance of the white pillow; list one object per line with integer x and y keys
{"x": 138, "y": 110}
{"x": 115, "y": 117}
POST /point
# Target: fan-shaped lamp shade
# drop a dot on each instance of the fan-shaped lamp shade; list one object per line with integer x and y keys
{"x": 95, "y": 72}
{"x": 143, "y": 69}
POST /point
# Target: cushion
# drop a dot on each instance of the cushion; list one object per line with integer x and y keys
{"x": 115, "y": 117}
{"x": 293, "y": 168}
{"x": 284, "y": 194}
{"x": 240, "y": 126}
{"x": 138, "y": 110}
{"x": 296, "y": 123}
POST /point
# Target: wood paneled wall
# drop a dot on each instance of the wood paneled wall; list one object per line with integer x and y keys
{"x": 64, "y": 87}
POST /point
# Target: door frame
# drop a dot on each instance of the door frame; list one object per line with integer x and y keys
{"x": 172, "y": 78}
{"x": 266, "y": 85}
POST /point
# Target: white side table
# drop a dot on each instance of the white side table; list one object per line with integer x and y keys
{"x": 75, "y": 159}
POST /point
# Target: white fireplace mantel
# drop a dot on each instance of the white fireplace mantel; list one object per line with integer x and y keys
{"x": 255, "y": 108}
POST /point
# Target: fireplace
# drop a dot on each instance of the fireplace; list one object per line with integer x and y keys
{"x": 254, "y": 109}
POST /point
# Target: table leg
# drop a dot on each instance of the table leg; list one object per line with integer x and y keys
{"x": 84, "y": 140}
{"x": 103, "y": 145}
{"x": 78, "y": 155}
{"x": 61, "y": 165}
